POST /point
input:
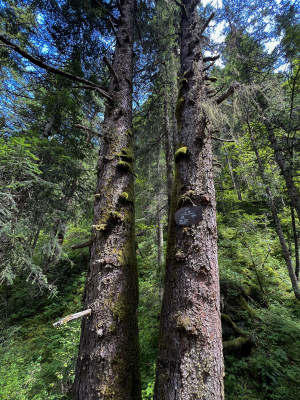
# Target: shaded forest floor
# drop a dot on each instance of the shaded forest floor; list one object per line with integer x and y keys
{"x": 260, "y": 318}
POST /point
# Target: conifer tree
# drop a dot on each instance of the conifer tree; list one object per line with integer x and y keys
{"x": 190, "y": 362}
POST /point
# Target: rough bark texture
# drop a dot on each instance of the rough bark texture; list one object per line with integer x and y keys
{"x": 168, "y": 150}
{"x": 286, "y": 172}
{"x": 108, "y": 362}
{"x": 190, "y": 362}
{"x": 274, "y": 211}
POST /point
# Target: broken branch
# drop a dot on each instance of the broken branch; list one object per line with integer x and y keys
{"x": 233, "y": 86}
{"x": 72, "y": 316}
{"x": 211, "y": 58}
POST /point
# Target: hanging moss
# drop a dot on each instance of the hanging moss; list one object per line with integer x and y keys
{"x": 185, "y": 198}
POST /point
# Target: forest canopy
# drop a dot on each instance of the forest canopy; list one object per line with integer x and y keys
{"x": 149, "y": 181}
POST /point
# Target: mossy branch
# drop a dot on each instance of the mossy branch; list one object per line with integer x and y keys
{"x": 83, "y": 245}
{"x": 231, "y": 89}
{"x": 236, "y": 345}
{"x": 227, "y": 319}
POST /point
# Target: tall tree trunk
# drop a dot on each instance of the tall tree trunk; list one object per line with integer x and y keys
{"x": 160, "y": 225}
{"x": 285, "y": 170}
{"x": 296, "y": 244}
{"x": 168, "y": 150}
{"x": 274, "y": 211}
{"x": 190, "y": 362}
{"x": 108, "y": 361}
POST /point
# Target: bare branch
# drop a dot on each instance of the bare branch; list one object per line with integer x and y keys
{"x": 73, "y": 316}
{"x": 53, "y": 70}
{"x": 233, "y": 86}
{"x": 207, "y": 23}
{"x": 114, "y": 29}
{"x": 110, "y": 67}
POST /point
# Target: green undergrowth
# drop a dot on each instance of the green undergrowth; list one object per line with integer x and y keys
{"x": 37, "y": 361}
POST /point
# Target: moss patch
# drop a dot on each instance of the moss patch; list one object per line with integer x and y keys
{"x": 180, "y": 152}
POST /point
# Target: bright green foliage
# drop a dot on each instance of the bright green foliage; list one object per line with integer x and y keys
{"x": 47, "y": 187}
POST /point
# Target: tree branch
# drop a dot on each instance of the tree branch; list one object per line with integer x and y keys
{"x": 72, "y": 316}
{"x": 232, "y": 87}
{"x": 211, "y": 58}
{"x": 53, "y": 70}
{"x": 85, "y": 244}
{"x": 116, "y": 20}
{"x": 222, "y": 140}
{"x": 111, "y": 70}
{"x": 209, "y": 66}
{"x": 114, "y": 29}
{"x": 207, "y": 23}
{"x": 86, "y": 128}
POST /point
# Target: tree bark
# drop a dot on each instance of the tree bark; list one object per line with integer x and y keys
{"x": 190, "y": 362}
{"x": 108, "y": 361}
{"x": 168, "y": 150}
{"x": 274, "y": 211}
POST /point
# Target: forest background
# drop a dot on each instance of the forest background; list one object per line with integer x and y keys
{"x": 51, "y": 132}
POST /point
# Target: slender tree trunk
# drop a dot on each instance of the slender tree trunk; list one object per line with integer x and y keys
{"x": 190, "y": 362}
{"x": 108, "y": 361}
{"x": 296, "y": 243}
{"x": 168, "y": 150}
{"x": 273, "y": 209}
{"x": 286, "y": 172}
{"x": 234, "y": 179}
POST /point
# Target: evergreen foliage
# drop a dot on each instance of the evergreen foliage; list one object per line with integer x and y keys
{"x": 50, "y": 134}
